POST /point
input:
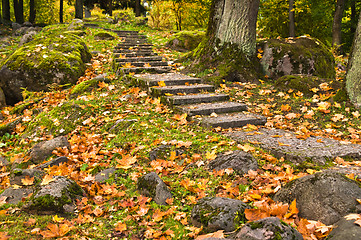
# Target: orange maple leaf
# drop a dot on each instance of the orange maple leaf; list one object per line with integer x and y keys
{"x": 120, "y": 227}
{"x": 255, "y": 214}
{"x": 55, "y": 230}
{"x": 47, "y": 179}
{"x": 293, "y": 210}
{"x": 126, "y": 161}
{"x": 27, "y": 181}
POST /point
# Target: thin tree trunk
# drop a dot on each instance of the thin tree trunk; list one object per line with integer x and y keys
{"x": 79, "y": 9}
{"x": 137, "y": 8}
{"x": 291, "y": 17}
{"x": 19, "y": 11}
{"x": 32, "y": 14}
{"x": 336, "y": 26}
{"x": 353, "y": 17}
{"x": 110, "y": 7}
{"x": 61, "y": 11}
{"x": 6, "y": 10}
{"x": 234, "y": 21}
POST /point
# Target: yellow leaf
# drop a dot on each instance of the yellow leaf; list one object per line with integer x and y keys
{"x": 27, "y": 181}
{"x": 211, "y": 155}
{"x": 255, "y": 196}
{"x": 283, "y": 144}
{"x": 173, "y": 155}
{"x": 161, "y": 84}
{"x": 247, "y": 148}
{"x": 147, "y": 65}
{"x": 285, "y": 108}
{"x": 293, "y": 209}
{"x": 57, "y": 219}
{"x": 126, "y": 162}
{"x": 168, "y": 94}
{"x": 47, "y": 179}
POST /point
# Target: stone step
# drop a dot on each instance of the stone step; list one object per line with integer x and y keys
{"x": 196, "y": 98}
{"x": 164, "y": 69}
{"x": 141, "y": 52}
{"x": 134, "y": 47}
{"x": 139, "y": 59}
{"x": 125, "y": 31}
{"x": 142, "y": 64}
{"x": 132, "y": 55}
{"x": 91, "y": 25}
{"x": 169, "y": 79}
{"x": 232, "y": 120}
{"x": 209, "y": 108}
{"x": 127, "y": 45}
{"x": 134, "y": 38}
{"x": 159, "y": 91}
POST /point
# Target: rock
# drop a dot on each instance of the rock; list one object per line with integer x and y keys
{"x": 15, "y": 26}
{"x": 19, "y": 176}
{"x": 58, "y": 196}
{"x": 4, "y": 162}
{"x": 24, "y": 30}
{"x": 88, "y": 85}
{"x": 9, "y": 127}
{"x": 79, "y": 33}
{"x": 297, "y": 56}
{"x": 345, "y": 230}
{"x": 76, "y": 24}
{"x": 305, "y": 83}
{"x": 323, "y": 196}
{"x": 103, "y": 36}
{"x": 150, "y": 185}
{"x": 185, "y": 40}
{"x": 239, "y": 161}
{"x": 217, "y": 213}
{"x": 41, "y": 151}
{"x": 15, "y": 196}
{"x": 55, "y": 162}
{"x": 267, "y": 229}
{"x": 57, "y": 60}
{"x": 27, "y": 24}
{"x": 104, "y": 175}
{"x": 27, "y": 38}
{"x": 2, "y": 99}
{"x": 313, "y": 150}
{"x": 163, "y": 152}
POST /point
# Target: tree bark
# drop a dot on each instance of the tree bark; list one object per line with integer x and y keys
{"x": 336, "y": 26}
{"x": 353, "y": 17}
{"x": 137, "y": 8}
{"x": 32, "y": 14}
{"x": 79, "y": 9}
{"x": 291, "y": 17}
{"x": 19, "y": 11}
{"x": 234, "y": 22}
{"x": 353, "y": 76}
{"x": 61, "y": 11}
{"x": 6, "y": 10}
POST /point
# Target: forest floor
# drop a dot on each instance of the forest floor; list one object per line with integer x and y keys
{"x": 114, "y": 209}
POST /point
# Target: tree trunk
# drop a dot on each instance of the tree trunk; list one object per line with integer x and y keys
{"x": 137, "y": 8}
{"x": 336, "y": 26}
{"x": 291, "y": 17}
{"x": 110, "y": 7}
{"x": 234, "y": 22}
{"x": 61, "y": 11}
{"x": 32, "y": 14}
{"x": 353, "y": 17}
{"x": 353, "y": 76}
{"x": 79, "y": 9}
{"x": 19, "y": 11}
{"x": 6, "y": 10}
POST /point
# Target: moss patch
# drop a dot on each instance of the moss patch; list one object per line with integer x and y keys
{"x": 185, "y": 40}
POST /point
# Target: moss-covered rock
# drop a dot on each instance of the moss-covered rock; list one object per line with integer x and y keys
{"x": 103, "y": 35}
{"x": 185, "y": 40}
{"x": 58, "y": 196}
{"x": 296, "y": 56}
{"x": 51, "y": 58}
{"x": 304, "y": 84}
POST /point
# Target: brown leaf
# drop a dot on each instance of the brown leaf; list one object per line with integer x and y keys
{"x": 293, "y": 210}
{"x": 27, "y": 181}
{"x": 120, "y": 227}
{"x": 47, "y": 179}
{"x": 218, "y": 234}
{"x": 255, "y": 214}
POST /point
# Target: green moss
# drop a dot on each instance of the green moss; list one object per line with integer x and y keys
{"x": 256, "y": 225}
{"x": 84, "y": 86}
{"x": 186, "y": 40}
{"x": 105, "y": 35}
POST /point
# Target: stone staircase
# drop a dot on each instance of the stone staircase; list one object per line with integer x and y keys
{"x": 185, "y": 94}
{"x": 135, "y": 54}
{"x": 189, "y": 95}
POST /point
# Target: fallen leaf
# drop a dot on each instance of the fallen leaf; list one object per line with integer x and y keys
{"x": 126, "y": 162}
{"x": 47, "y": 179}
{"x": 120, "y": 227}
{"x": 219, "y": 234}
{"x": 27, "y": 181}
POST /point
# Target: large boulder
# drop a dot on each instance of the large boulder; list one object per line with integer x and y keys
{"x": 239, "y": 161}
{"x": 323, "y": 196}
{"x": 268, "y": 228}
{"x": 344, "y": 229}
{"x": 58, "y": 196}
{"x": 302, "y": 55}
{"x": 217, "y": 213}
{"x": 185, "y": 40}
{"x": 50, "y": 59}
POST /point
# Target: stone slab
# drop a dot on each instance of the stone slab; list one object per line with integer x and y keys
{"x": 132, "y": 55}
{"x": 127, "y": 45}
{"x": 232, "y": 120}
{"x": 144, "y": 69}
{"x": 159, "y": 91}
{"x": 169, "y": 79}
{"x": 286, "y": 144}
{"x": 196, "y": 98}
{"x": 139, "y": 59}
{"x": 138, "y": 51}
{"x": 150, "y": 63}
{"x": 209, "y": 108}
{"x": 134, "y": 47}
